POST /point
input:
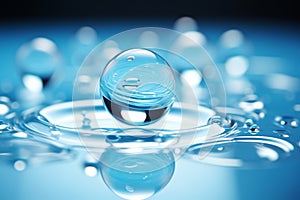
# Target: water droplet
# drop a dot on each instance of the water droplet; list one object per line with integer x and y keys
{"x": 20, "y": 165}
{"x": 297, "y": 107}
{"x": 248, "y": 122}
{"x": 286, "y": 121}
{"x": 38, "y": 60}
{"x": 254, "y": 129}
{"x": 146, "y": 175}
{"x": 144, "y": 86}
{"x": 251, "y": 103}
{"x": 91, "y": 169}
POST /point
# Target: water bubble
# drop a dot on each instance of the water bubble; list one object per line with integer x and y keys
{"x": 286, "y": 121}
{"x": 86, "y": 35}
{"x": 91, "y": 169}
{"x": 137, "y": 87}
{"x": 254, "y": 129}
{"x": 136, "y": 176}
{"x": 232, "y": 38}
{"x": 38, "y": 60}
{"x": 184, "y": 24}
{"x": 20, "y": 165}
{"x": 297, "y": 107}
{"x": 236, "y": 66}
{"x": 248, "y": 122}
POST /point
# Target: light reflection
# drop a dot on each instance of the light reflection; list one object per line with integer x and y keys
{"x": 148, "y": 38}
{"x": 20, "y": 165}
{"x": 265, "y": 152}
{"x": 192, "y": 77}
{"x": 86, "y": 35}
{"x": 33, "y": 83}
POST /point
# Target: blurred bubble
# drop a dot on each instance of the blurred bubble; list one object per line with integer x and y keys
{"x": 297, "y": 107}
{"x": 20, "y": 165}
{"x": 232, "y": 38}
{"x": 148, "y": 39}
{"x": 251, "y": 103}
{"x": 236, "y": 66}
{"x": 282, "y": 82}
{"x": 5, "y": 105}
{"x": 86, "y": 35}
{"x": 192, "y": 77}
{"x": 38, "y": 60}
{"x": 196, "y": 36}
{"x": 185, "y": 24}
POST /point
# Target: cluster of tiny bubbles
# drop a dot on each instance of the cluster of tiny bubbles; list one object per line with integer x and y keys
{"x": 137, "y": 175}
{"x": 286, "y": 121}
{"x": 37, "y": 61}
{"x": 137, "y": 87}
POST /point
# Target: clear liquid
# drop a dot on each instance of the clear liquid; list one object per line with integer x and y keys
{"x": 136, "y": 176}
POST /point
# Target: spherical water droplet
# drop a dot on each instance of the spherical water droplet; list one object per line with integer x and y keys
{"x": 91, "y": 169}
{"x": 286, "y": 121}
{"x": 38, "y": 60}
{"x": 143, "y": 90}
{"x": 20, "y": 165}
{"x": 248, "y": 122}
{"x": 254, "y": 129}
{"x": 136, "y": 175}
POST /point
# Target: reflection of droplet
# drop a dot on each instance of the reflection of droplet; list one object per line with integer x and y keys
{"x": 268, "y": 153}
{"x": 286, "y": 121}
{"x": 20, "y": 165}
{"x": 254, "y": 129}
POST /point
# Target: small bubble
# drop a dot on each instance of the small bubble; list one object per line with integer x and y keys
{"x": 91, "y": 169}
{"x": 130, "y": 58}
{"x": 220, "y": 148}
{"x": 254, "y": 129}
{"x": 20, "y": 165}
{"x": 286, "y": 121}
{"x": 248, "y": 122}
{"x": 297, "y": 107}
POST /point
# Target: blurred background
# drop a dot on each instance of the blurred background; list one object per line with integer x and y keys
{"x": 255, "y": 44}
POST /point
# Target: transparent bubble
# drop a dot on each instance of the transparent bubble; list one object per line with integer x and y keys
{"x": 286, "y": 121}
{"x": 37, "y": 61}
{"x": 254, "y": 129}
{"x": 138, "y": 87}
{"x": 136, "y": 176}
